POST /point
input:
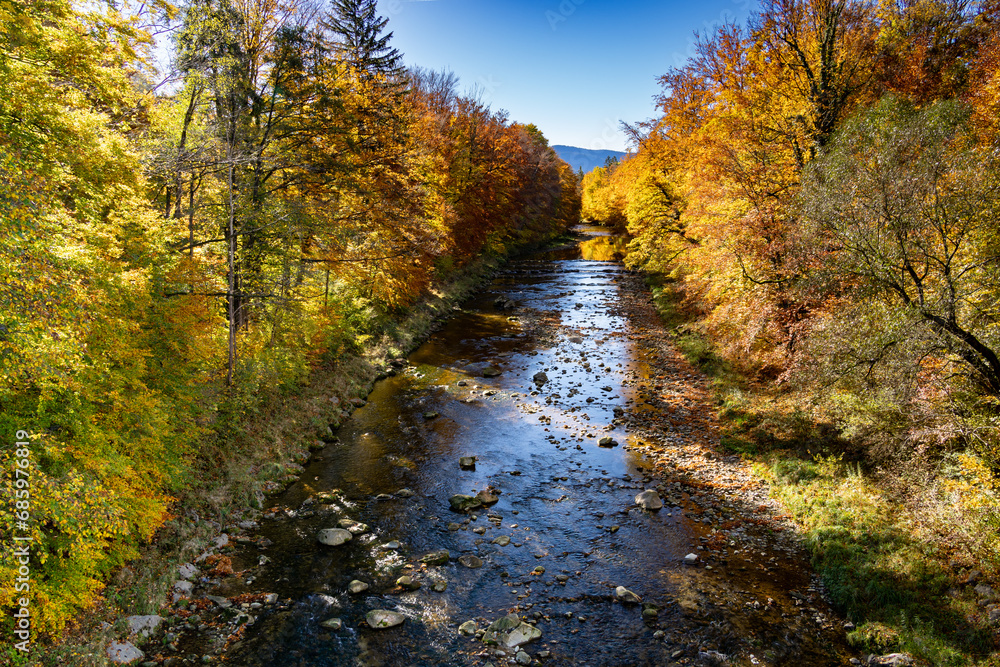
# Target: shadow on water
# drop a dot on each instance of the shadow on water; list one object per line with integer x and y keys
{"x": 564, "y": 532}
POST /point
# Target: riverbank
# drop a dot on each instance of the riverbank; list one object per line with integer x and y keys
{"x": 239, "y": 469}
{"x": 908, "y": 557}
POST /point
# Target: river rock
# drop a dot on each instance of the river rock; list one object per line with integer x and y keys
{"x": 627, "y": 596}
{"x": 462, "y": 503}
{"x": 498, "y": 629}
{"x": 123, "y": 653}
{"x": 430, "y": 414}
{"x": 439, "y": 586}
{"x": 892, "y": 660}
{"x": 501, "y": 540}
{"x": 356, "y": 587}
{"x": 470, "y": 561}
{"x": 540, "y": 378}
{"x": 332, "y": 624}
{"x": 187, "y": 571}
{"x": 487, "y": 497}
{"x": 468, "y": 628}
{"x": 407, "y": 583}
{"x": 143, "y": 625}
{"x": 649, "y": 499}
{"x": 491, "y": 372}
{"x": 224, "y": 603}
{"x": 353, "y": 527}
{"x": 436, "y": 558}
{"x": 607, "y": 442}
{"x": 182, "y": 589}
{"x": 405, "y": 493}
{"x": 691, "y": 559}
{"x": 713, "y": 658}
{"x": 467, "y": 463}
{"x": 380, "y": 619}
{"x": 522, "y": 634}
{"x": 985, "y": 592}
{"x": 511, "y": 632}
{"x": 333, "y": 537}
{"x": 522, "y": 658}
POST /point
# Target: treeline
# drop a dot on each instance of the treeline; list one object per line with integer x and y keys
{"x": 166, "y": 260}
{"x": 822, "y": 187}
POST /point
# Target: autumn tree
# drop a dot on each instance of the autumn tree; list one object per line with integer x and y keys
{"x": 80, "y": 253}
{"x": 904, "y": 211}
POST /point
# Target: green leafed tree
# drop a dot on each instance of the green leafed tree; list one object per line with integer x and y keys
{"x": 903, "y": 212}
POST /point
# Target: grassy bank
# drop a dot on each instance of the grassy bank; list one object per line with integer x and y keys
{"x": 908, "y": 554}
{"x": 259, "y": 452}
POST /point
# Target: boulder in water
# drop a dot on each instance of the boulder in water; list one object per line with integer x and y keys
{"x": 649, "y": 499}
{"x": 333, "y": 537}
{"x": 380, "y": 619}
{"x": 461, "y": 503}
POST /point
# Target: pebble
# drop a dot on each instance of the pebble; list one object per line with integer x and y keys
{"x": 356, "y": 587}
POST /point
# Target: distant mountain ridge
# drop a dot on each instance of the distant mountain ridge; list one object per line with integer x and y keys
{"x": 585, "y": 158}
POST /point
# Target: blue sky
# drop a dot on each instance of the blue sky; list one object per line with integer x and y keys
{"x": 574, "y": 68}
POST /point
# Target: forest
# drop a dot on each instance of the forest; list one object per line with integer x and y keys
{"x": 815, "y": 203}
{"x": 170, "y": 262}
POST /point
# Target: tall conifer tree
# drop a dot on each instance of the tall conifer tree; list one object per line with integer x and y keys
{"x": 358, "y": 32}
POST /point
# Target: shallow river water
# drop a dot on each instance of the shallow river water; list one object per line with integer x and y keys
{"x": 564, "y": 533}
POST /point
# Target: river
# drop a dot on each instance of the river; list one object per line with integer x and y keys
{"x": 529, "y": 377}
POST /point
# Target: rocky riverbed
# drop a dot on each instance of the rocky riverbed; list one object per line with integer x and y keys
{"x": 540, "y": 484}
